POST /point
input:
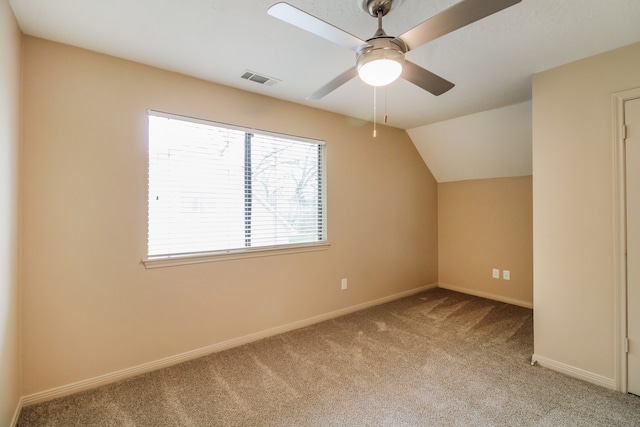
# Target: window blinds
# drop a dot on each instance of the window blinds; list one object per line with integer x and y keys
{"x": 215, "y": 187}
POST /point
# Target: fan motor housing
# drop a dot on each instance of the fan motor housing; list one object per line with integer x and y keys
{"x": 387, "y": 45}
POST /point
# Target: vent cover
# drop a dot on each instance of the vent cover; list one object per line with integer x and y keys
{"x": 259, "y": 78}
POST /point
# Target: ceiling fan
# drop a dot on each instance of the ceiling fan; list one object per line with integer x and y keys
{"x": 381, "y": 59}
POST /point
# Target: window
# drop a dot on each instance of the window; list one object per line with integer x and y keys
{"x": 216, "y": 188}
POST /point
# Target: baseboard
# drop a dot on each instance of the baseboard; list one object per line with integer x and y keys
{"x": 488, "y": 295}
{"x": 194, "y": 354}
{"x": 16, "y": 414}
{"x": 574, "y": 372}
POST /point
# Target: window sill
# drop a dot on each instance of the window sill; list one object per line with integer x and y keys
{"x": 175, "y": 260}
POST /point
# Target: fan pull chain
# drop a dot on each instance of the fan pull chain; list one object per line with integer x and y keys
{"x": 385, "y": 106}
{"x": 374, "y": 112}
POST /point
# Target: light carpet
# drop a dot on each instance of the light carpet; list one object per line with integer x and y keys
{"x": 439, "y": 358}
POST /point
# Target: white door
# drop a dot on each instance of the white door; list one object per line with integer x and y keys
{"x": 632, "y": 147}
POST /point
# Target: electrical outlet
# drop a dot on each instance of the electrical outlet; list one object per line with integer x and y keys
{"x": 343, "y": 284}
{"x": 506, "y": 274}
{"x": 496, "y": 273}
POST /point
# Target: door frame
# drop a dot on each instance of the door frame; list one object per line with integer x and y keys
{"x": 620, "y": 236}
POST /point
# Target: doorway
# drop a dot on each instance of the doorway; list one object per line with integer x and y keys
{"x": 626, "y": 132}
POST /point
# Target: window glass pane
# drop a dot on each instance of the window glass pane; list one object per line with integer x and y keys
{"x": 216, "y": 188}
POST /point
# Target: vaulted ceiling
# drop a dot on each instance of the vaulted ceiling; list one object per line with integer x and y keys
{"x": 490, "y": 61}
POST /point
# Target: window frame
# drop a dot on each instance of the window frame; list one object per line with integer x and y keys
{"x": 167, "y": 260}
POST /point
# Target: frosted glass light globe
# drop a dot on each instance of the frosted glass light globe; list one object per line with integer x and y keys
{"x": 380, "y": 72}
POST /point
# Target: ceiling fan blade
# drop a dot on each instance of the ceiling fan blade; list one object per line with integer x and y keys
{"x": 294, "y": 16}
{"x": 334, "y": 84}
{"x": 453, "y": 18}
{"x": 425, "y": 79}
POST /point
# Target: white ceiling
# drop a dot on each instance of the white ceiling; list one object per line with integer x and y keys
{"x": 479, "y": 129}
{"x": 490, "y": 61}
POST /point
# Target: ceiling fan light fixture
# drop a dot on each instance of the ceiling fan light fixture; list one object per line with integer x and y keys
{"x": 380, "y": 60}
{"x": 380, "y": 64}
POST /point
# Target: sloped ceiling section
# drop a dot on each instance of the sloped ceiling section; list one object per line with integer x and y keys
{"x": 490, "y": 144}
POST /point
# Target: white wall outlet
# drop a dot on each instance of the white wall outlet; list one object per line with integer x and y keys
{"x": 506, "y": 274}
{"x": 496, "y": 273}
{"x": 343, "y": 284}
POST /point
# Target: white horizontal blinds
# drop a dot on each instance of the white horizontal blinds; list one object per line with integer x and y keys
{"x": 195, "y": 187}
{"x": 286, "y": 192}
{"x": 217, "y": 188}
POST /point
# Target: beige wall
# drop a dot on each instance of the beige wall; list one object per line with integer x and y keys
{"x": 485, "y": 224}
{"x": 90, "y": 308}
{"x": 9, "y": 247}
{"x": 573, "y": 215}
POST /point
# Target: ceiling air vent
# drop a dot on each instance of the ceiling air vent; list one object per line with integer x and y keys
{"x": 259, "y": 78}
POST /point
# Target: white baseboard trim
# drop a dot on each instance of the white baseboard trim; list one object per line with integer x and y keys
{"x": 495, "y": 297}
{"x": 574, "y": 372}
{"x": 94, "y": 382}
{"x": 16, "y": 414}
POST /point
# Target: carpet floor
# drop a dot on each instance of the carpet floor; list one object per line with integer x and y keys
{"x": 438, "y": 358}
